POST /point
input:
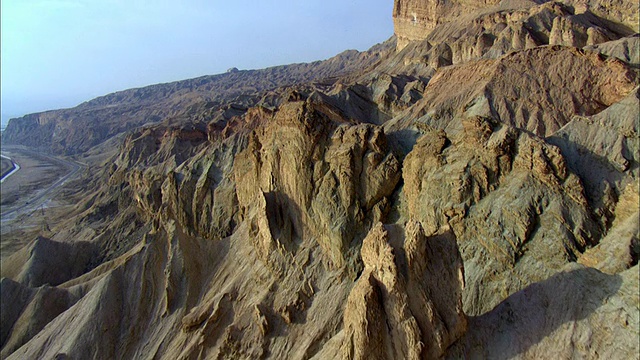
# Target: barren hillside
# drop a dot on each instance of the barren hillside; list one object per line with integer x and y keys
{"x": 468, "y": 189}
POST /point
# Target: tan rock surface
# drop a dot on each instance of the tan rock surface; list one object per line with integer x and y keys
{"x": 578, "y": 313}
{"x": 537, "y": 90}
{"x": 618, "y": 11}
{"x": 414, "y": 19}
{"x": 509, "y": 199}
{"x": 45, "y": 262}
{"x": 603, "y": 151}
{"x": 253, "y": 227}
{"x": 395, "y": 310}
{"x": 626, "y": 49}
{"x": 27, "y": 310}
{"x": 477, "y": 26}
{"x": 611, "y": 138}
{"x": 318, "y": 176}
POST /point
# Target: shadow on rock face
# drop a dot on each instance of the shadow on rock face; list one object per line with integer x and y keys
{"x": 602, "y": 149}
{"x": 538, "y": 314}
{"x": 285, "y": 219}
{"x": 26, "y": 311}
{"x": 46, "y": 261}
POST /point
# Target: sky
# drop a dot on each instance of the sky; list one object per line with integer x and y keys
{"x": 59, "y": 53}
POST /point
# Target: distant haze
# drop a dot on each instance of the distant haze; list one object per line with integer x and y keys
{"x": 59, "y": 53}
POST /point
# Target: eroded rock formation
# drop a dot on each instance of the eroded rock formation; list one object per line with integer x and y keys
{"x": 414, "y": 19}
{"x": 485, "y": 177}
{"x": 483, "y": 27}
{"x": 452, "y": 199}
{"x": 316, "y": 176}
{"x": 399, "y": 307}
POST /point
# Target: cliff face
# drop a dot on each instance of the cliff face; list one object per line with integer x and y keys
{"x": 395, "y": 309}
{"x": 452, "y": 201}
{"x": 318, "y": 177}
{"x": 415, "y": 19}
{"x": 568, "y": 22}
{"x": 76, "y": 130}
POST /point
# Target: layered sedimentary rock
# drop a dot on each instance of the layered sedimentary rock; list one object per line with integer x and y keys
{"x": 538, "y": 90}
{"x": 414, "y": 19}
{"x": 316, "y": 175}
{"x": 483, "y": 27}
{"x": 397, "y": 308}
{"x": 453, "y": 201}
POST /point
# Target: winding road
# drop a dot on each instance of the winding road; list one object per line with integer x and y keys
{"x": 16, "y": 167}
{"x": 31, "y": 204}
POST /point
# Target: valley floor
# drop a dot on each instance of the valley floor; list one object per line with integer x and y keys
{"x": 28, "y": 193}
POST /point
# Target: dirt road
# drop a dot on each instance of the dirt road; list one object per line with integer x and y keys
{"x": 8, "y": 168}
{"x": 37, "y": 181}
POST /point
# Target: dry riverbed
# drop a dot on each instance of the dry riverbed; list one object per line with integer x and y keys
{"x": 27, "y": 197}
{"x": 36, "y": 174}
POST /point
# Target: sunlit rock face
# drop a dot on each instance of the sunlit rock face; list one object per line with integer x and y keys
{"x": 473, "y": 195}
{"x": 415, "y": 19}
{"x": 524, "y": 23}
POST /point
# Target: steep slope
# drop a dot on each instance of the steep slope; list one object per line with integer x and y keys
{"x": 510, "y": 200}
{"x": 545, "y": 321}
{"x": 452, "y": 201}
{"x": 564, "y": 22}
{"x": 413, "y": 19}
{"x": 396, "y": 308}
{"x": 177, "y": 258}
{"x": 530, "y": 89}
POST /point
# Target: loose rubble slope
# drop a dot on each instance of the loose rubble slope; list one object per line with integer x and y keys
{"x": 471, "y": 190}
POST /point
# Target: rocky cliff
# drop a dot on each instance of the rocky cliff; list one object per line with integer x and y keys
{"x": 566, "y": 22}
{"x": 474, "y": 194}
{"x": 76, "y": 130}
{"x": 415, "y": 19}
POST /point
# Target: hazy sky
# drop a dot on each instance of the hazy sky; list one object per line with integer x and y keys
{"x": 58, "y": 53}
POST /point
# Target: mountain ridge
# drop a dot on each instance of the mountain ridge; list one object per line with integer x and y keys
{"x": 56, "y": 131}
{"x": 450, "y": 200}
